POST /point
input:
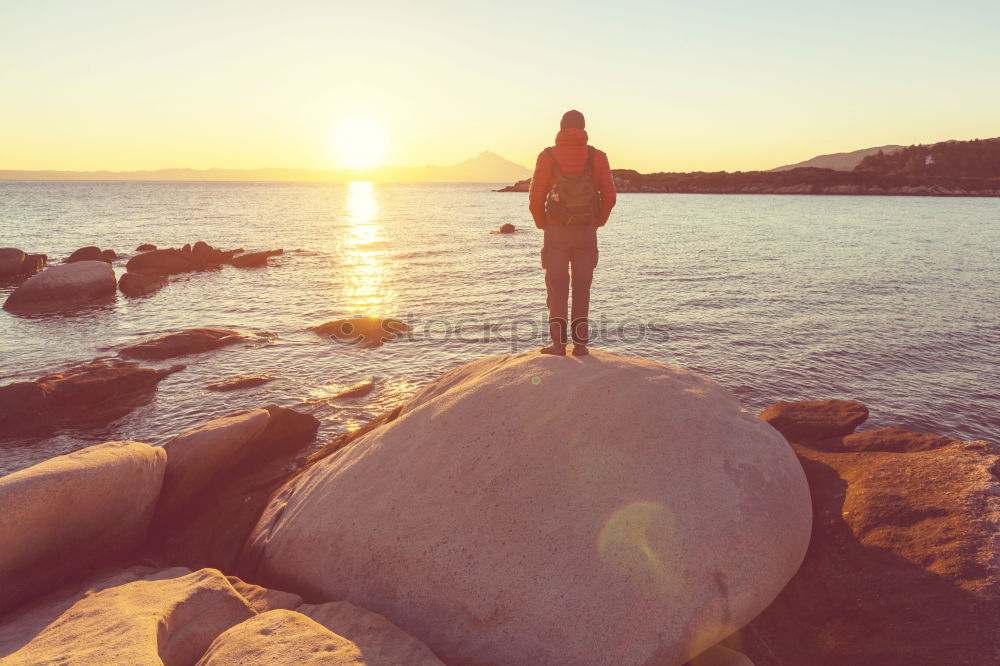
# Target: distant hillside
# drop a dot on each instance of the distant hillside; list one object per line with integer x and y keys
{"x": 949, "y": 159}
{"x": 839, "y": 161}
{"x": 485, "y": 168}
{"x": 950, "y": 168}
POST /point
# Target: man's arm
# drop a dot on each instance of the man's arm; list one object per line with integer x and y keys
{"x": 605, "y": 186}
{"x": 541, "y": 183}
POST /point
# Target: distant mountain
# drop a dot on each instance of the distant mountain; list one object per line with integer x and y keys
{"x": 485, "y": 168}
{"x": 840, "y": 161}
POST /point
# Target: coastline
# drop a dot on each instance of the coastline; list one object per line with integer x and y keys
{"x": 804, "y": 180}
{"x": 209, "y": 501}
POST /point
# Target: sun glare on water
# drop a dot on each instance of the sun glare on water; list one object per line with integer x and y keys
{"x": 360, "y": 143}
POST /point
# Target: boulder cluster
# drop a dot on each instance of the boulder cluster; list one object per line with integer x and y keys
{"x": 87, "y": 276}
{"x": 519, "y": 509}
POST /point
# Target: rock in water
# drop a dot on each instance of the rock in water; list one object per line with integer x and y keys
{"x": 141, "y": 284}
{"x": 89, "y": 393}
{"x": 539, "y": 509}
{"x": 369, "y": 331}
{"x": 11, "y": 261}
{"x": 191, "y": 341}
{"x": 64, "y": 286}
{"x": 163, "y": 262}
{"x": 72, "y": 512}
{"x": 89, "y": 253}
{"x": 254, "y": 259}
{"x": 237, "y": 383}
{"x": 507, "y": 228}
{"x": 145, "y": 247}
{"x": 815, "y": 419}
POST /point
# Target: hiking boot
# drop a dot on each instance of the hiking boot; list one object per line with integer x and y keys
{"x": 554, "y": 350}
{"x": 580, "y": 350}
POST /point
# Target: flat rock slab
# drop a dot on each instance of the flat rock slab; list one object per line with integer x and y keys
{"x": 904, "y": 563}
{"x": 89, "y": 393}
{"x": 72, "y": 512}
{"x": 817, "y": 419}
{"x": 538, "y": 509}
{"x": 191, "y": 341}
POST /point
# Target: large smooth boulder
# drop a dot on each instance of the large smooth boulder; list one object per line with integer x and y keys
{"x": 72, "y": 512}
{"x": 89, "y": 393}
{"x": 64, "y": 286}
{"x": 131, "y": 617}
{"x": 904, "y": 564}
{"x": 191, "y": 341}
{"x": 11, "y": 261}
{"x": 219, "y": 478}
{"x": 539, "y": 509}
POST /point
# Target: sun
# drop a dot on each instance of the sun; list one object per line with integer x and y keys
{"x": 360, "y": 143}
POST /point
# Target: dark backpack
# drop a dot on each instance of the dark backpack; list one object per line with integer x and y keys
{"x": 573, "y": 198}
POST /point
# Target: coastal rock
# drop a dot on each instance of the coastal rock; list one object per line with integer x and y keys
{"x": 163, "y": 262}
{"x": 33, "y": 263}
{"x": 64, "y": 286}
{"x": 191, "y": 341}
{"x": 145, "y": 247}
{"x": 356, "y": 391}
{"x": 11, "y": 261}
{"x": 94, "y": 392}
{"x": 141, "y": 284}
{"x": 237, "y": 383}
{"x": 89, "y": 253}
{"x": 219, "y": 478}
{"x": 108, "y": 255}
{"x": 283, "y": 638}
{"x": 254, "y": 259}
{"x": 138, "y": 616}
{"x": 816, "y": 419}
{"x": 369, "y": 331}
{"x": 903, "y": 563}
{"x": 380, "y": 641}
{"x": 72, "y": 512}
{"x": 507, "y": 228}
{"x": 196, "y": 457}
{"x": 501, "y": 518}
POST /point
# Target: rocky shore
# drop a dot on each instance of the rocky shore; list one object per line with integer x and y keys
{"x": 491, "y": 520}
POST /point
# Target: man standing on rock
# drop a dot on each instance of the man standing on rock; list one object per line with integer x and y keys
{"x": 571, "y": 195}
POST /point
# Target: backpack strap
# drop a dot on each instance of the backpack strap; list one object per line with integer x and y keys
{"x": 589, "y": 166}
{"x": 555, "y": 162}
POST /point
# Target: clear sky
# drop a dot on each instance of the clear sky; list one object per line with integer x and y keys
{"x": 665, "y": 85}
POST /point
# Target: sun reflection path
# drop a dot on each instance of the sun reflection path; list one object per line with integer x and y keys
{"x": 367, "y": 288}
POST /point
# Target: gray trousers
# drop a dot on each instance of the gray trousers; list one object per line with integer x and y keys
{"x": 569, "y": 257}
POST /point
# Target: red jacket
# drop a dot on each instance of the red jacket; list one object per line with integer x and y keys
{"x": 571, "y": 153}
